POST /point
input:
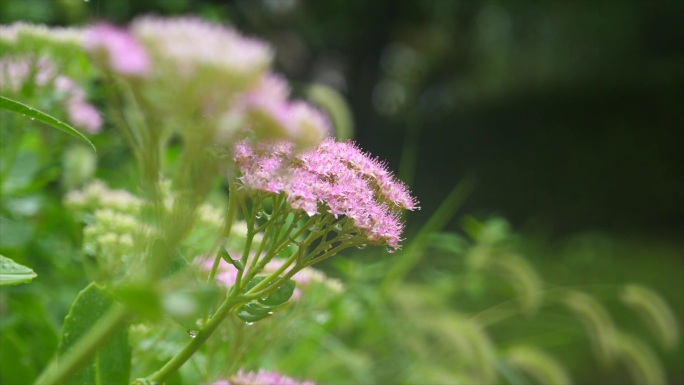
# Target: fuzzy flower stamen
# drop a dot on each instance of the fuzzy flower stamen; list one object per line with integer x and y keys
{"x": 335, "y": 179}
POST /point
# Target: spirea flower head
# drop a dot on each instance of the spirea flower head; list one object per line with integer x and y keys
{"x": 62, "y": 45}
{"x": 187, "y": 48}
{"x": 261, "y": 377}
{"x": 38, "y": 38}
{"x": 336, "y": 179}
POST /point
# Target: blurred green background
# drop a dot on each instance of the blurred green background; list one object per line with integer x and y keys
{"x": 568, "y": 114}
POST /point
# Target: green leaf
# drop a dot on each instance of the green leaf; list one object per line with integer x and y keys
{"x": 21, "y": 108}
{"x": 12, "y": 273}
{"x": 281, "y": 295}
{"x": 143, "y": 299}
{"x": 226, "y": 257}
{"x": 112, "y": 363}
{"x": 263, "y": 307}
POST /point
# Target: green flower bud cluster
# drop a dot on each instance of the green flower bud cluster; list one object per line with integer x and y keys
{"x": 109, "y": 239}
{"x": 97, "y": 195}
{"x": 116, "y": 231}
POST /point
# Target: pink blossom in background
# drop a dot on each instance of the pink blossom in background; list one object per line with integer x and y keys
{"x": 84, "y": 115}
{"x": 273, "y": 115}
{"x": 80, "y": 112}
{"x": 267, "y": 106}
{"x": 190, "y": 45}
{"x": 311, "y": 126}
{"x": 15, "y": 72}
{"x": 261, "y": 377}
{"x": 123, "y": 53}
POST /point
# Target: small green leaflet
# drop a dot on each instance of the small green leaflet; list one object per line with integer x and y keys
{"x": 12, "y": 273}
{"x": 21, "y": 108}
{"x": 261, "y": 308}
{"x": 110, "y": 365}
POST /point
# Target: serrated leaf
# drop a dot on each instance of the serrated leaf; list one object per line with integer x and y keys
{"x": 263, "y": 307}
{"x": 111, "y": 364}
{"x": 12, "y": 273}
{"x": 21, "y": 108}
{"x": 248, "y": 317}
{"x": 281, "y": 295}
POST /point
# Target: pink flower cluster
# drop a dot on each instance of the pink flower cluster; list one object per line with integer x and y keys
{"x": 187, "y": 65}
{"x": 261, "y": 377}
{"x": 123, "y": 54}
{"x": 196, "y": 45}
{"x": 335, "y": 178}
{"x": 269, "y": 109}
{"x": 17, "y": 71}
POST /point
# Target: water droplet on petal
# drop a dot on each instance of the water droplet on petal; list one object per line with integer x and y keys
{"x": 391, "y": 250}
{"x": 192, "y": 333}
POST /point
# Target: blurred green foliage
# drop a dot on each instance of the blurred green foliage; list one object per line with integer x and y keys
{"x": 569, "y": 114}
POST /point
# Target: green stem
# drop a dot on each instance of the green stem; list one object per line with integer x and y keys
{"x": 267, "y": 229}
{"x": 329, "y": 254}
{"x": 254, "y": 292}
{"x": 191, "y": 347}
{"x": 230, "y": 218}
{"x": 61, "y": 368}
{"x": 276, "y": 247}
{"x": 234, "y": 299}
